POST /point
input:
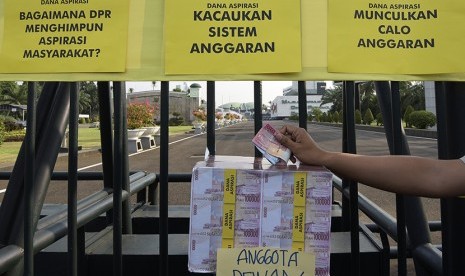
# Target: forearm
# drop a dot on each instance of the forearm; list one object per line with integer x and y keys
{"x": 401, "y": 174}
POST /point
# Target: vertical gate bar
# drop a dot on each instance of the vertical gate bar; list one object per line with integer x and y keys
{"x": 303, "y": 113}
{"x": 163, "y": 224}
{"x": 106, "y": 136}
{"x": 127, "y": 225}
{"x": 211, "y": 117}
{"x": 357, "y": 96}
{"x": 118, "y": 181}
{"x": 441, "y": 118}
{"x": 415, "y": 218}
{"x": 257, "y": 103}
{"x": 29, "y": 179}
{"x": 400, "y": 205}
{"x": 81, "y": 243}
{"x": 72, "y": 179}
{"x": 349, "y": 115}
{"x": 452, "y": 147}
{"x": 345, "y": 201}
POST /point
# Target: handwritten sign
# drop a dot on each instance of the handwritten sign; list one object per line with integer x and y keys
{"x": 230, "y": 37}
{"x": 398, "y": 38}
{"x": 264, "y": 261}
{"x": 43, "y": 36}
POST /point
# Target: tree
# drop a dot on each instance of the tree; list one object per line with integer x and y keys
{"x": 368, "y": 117}
{"x": 333, "y": 96}
{"x": 88, "y": 99}
{"x": 12, "y": 93}
{"x": 358, "y": 117}
{"x": 153, "y": 85}
{"x": 335, "y": 117}
{"x": 412, "y": 93}
{"x": 368, "y": 98}
{"x": 5, "y": 88}
{"x": 317, "y": 113}
{"x": 407, "y": 113}
{"x": 379, "y": 119}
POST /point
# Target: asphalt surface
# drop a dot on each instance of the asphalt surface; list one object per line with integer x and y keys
{"x": 185, "y": 150}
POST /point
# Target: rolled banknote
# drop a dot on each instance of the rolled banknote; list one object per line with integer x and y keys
{"x": 272, "y": 150}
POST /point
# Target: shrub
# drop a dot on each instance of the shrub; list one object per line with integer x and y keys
{"x": 199, "y": 115}
{"x": 2, "y": 131}
{"x": 422, "y": 119}
{"x": 368, "y": 117}
{"x": 358, "y": 117}
{"x": 15, "y": 136}
{"x": 317, "y": 114}
{"x": 294, "y": 117}
{"x": 10, "y": 123}
{"x": 82, "y": 121}
{"x": 324, "y": 117}
{"x": 140, "y": 115}
{"x": 177, "y": 120}
{"x": 379, "y": 119}
{"x": 335, "y": 117}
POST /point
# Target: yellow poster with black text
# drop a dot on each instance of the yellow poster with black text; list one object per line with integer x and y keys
{"x": 392, "y": 37}
{"x": 232, "y": 37}
{"x": 64, "y": 36}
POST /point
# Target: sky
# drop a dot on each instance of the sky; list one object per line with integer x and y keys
{"x": 226, "y": 91}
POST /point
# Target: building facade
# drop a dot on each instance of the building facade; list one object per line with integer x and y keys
{"x": 288, "y": 104}
{"x": 179, "y": 102}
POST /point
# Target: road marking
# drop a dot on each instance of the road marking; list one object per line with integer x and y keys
{"x": 136, "y": 153}
{"x": 98, "y": 164}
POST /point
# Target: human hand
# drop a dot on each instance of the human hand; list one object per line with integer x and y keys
{"x": 303, "y": 147}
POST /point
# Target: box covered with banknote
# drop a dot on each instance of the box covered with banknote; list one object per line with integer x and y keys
{"x": 239, "y": 202}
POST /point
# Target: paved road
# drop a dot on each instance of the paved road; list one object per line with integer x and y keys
{"x": 187, "y": 149}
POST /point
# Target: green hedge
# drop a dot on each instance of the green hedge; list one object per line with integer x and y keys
{"x": 15, "y": 136}
{"x": 2, "y": 131}
{"x": 422, "y": 119}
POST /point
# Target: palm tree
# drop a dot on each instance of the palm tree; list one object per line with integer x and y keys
{"x": 153, "y": 85}
{"x": 368, "y": 98}
{"x": 5, "y": 88}
{"x": 14, "y": 94}
{"x": 412, "y": 93}
{"x": 333, "y": 96}
{"x": 88, "y": 100}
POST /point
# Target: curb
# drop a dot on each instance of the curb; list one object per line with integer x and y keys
{"x": 408, "y": 131}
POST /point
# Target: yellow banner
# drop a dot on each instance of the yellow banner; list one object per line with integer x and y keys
{"x": 408, "y": 37}
{"x": 232, "y": 37}
{"x": 43, "y": 36}
{"x": 145, "y": 55}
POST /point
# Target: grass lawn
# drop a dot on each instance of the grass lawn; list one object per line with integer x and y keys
{"x": 9, "y": 152}
{"x": 89, "y": 138}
